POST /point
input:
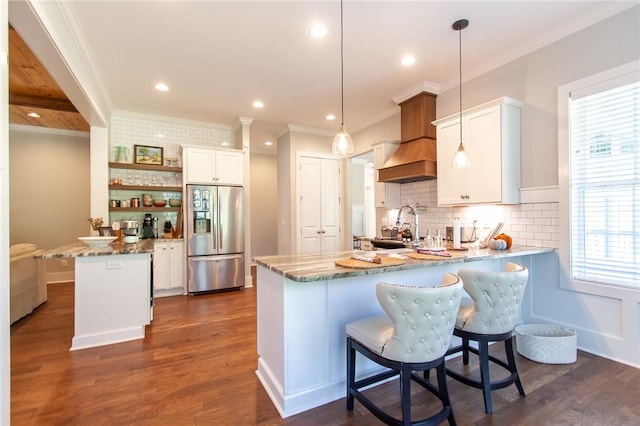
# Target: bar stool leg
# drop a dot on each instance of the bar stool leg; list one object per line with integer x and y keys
{"x": 405, "y": 386}
{"x": 444, "y": 392}
{"x": 508, "y": 347}
{"x": 351, "y": 374}
{"x": 465, "y": 351}
{"x": 483, "y": 355}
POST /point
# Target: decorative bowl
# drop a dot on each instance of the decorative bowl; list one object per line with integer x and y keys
{"x": 175, "y": 202}
{"x": 159, "y": 203}
{"x": 97, "y": 242}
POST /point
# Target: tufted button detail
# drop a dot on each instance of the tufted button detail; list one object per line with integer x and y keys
{"x": 404, "y": 312}
{"x": 417, "y": 301}
{"x": 413, "y": 327}
{"x": 393, "y": 296}
{"x": 421, "y": 340}
{"x": 437, "y": 301}
{"x": 408, "y": 351}
{"x": 492, "y": 305}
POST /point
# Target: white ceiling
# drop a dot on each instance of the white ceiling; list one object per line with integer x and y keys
{"x": 218, "y": 57}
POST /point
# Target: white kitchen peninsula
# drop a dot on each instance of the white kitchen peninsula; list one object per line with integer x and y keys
{"x": 305, "y": 301}
{"x": 112, "y": 292}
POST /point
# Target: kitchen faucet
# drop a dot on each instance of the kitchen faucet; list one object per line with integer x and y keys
{"x": 414, "y": 212}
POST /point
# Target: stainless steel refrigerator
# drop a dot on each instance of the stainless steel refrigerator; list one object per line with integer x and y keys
{"x": 215, "y": 237}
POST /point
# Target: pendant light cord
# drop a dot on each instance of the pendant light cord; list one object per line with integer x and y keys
{"x": 460, "y": 70}
{"x": 341, "y": 64}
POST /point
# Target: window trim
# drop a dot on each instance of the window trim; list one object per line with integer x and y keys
{"x": 564, "y": 207}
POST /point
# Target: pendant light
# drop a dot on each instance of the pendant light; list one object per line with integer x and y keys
{"x": 342, "y": 143}
{"x": 460, "y": 158}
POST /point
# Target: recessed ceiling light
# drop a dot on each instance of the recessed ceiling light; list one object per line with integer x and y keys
{"x": 225, "y": 143}
{"x": 318, "y": 31}
{"x": 330, "y": 117}
{"x": 34, "y": 115}
{"x": 162, "y": 87}
{"x": 258, "y": 104}
{"x": 160, "y": 135}
{"x": 408, "y": 60}
{"x": 268, "y": 143}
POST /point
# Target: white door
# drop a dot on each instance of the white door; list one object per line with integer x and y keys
{"x": 160, "y": 266}
{"x": 175, "y": 264}
{"x": 229, "y": 168}
{"x": 452, "y": 184}
{"x": 309, "y": 205}
{"x": 330, "y": 205}
{"x": 200, "y": 163}
{"x": 482, "y": 143}
{"x": 319, "y": 204}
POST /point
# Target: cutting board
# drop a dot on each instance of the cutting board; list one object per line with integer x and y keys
{"x": 361, "y": 264}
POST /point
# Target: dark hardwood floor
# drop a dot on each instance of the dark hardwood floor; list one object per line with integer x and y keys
{"x": 196, "y": 367}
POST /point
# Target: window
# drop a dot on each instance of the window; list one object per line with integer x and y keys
{"x": 604, "y": 181}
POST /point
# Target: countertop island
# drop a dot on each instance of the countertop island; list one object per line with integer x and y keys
{"x": 113, "y": 291}
{"x": 305, "y": 301}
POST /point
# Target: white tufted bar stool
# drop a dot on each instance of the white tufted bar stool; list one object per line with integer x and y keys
{"x": 413, "y": 336}
{"x": 490, "y": 315}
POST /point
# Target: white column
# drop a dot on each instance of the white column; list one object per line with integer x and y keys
{"x": 99, "y": 164}
{"x": 5, "y": 339}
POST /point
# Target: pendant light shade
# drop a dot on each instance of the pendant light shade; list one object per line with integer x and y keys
{"x": 342, "y": 142}
{"x": 460, "y": 158}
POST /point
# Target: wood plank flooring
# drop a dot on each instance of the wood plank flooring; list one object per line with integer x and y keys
{"x": 196, "y": 366}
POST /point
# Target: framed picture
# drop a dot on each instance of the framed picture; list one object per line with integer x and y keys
{"x": 147, "y": 155}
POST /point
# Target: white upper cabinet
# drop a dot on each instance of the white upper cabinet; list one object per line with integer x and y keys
{"x": 387, "y": 195}
{"x": 491, "y": 137}
{"x": 212, "y": 166}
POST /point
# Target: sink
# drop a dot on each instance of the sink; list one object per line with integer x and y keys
{"x": 388, "y": 243}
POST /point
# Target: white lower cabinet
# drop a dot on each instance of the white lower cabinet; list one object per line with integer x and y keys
{"x": 491, "y": 137}
{"x": 168, "y": 267}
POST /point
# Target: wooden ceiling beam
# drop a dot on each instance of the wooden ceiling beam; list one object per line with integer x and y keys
{"x": 32, "y": 101}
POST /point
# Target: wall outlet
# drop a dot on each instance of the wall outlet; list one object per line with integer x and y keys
{"x": 114, "y": 264}
{"x": 63, "y": 263}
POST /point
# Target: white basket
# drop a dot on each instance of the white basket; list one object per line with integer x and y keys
{"x": 548, "y": 344}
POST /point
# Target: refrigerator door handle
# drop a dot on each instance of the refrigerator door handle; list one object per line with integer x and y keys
{"x": 216, "y": 258}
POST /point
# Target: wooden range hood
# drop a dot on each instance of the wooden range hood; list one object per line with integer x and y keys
{"x": 415, "y": 158}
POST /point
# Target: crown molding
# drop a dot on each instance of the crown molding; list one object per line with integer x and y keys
{"x": 425, "y": 86}
{"x": 310, "y": 130}
{"x": 170, "y": 120}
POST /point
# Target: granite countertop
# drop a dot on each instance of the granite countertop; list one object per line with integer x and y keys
{"x": 319, "y": 267}
{"x": 79, "y": 249}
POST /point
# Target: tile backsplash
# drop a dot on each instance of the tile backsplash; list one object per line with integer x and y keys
{"x": 129, "y": 129}
{"x": 534, "y": 224}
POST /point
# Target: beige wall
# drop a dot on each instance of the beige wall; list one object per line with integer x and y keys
{"x": 49, "y": 187}
{"x": 384, "y": 130}
{"x": 264, "y": 199}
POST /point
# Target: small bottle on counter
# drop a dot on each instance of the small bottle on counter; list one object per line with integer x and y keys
{"x": 155, "y": 227}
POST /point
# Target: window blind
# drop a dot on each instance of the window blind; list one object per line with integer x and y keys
{"x": 605, "y": 183}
